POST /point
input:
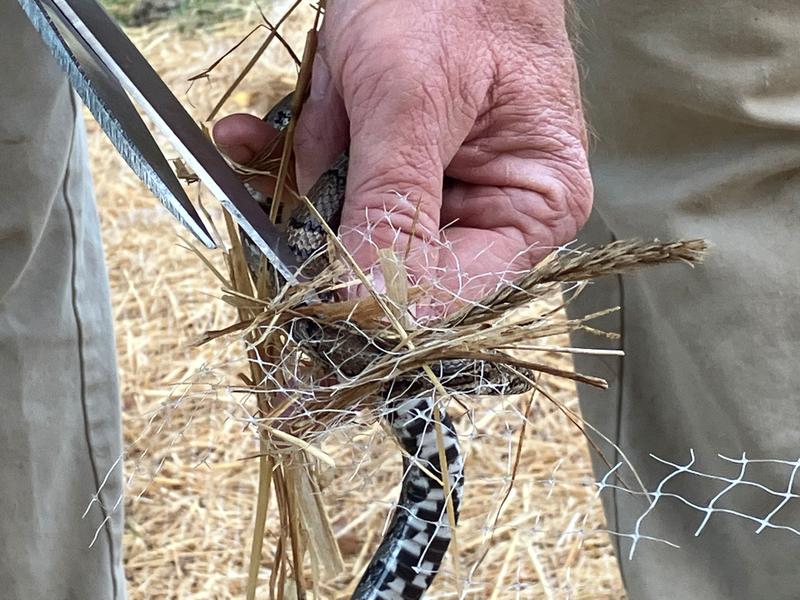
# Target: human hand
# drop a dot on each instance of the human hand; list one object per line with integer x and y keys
{"x": 467, "y": 143}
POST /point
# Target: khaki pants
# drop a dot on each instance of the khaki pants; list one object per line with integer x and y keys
{"x": 695, "y": 109}
{"x": 59, "y": 408}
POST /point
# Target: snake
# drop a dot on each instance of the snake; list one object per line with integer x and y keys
{"x": 410, "y": 554}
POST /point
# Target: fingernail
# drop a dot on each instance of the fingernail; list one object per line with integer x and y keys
{"x": 320, "y": 80}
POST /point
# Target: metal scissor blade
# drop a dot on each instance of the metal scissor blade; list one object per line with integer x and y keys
{"x": 111, "y": 107}
{"x": 123, "y": 59}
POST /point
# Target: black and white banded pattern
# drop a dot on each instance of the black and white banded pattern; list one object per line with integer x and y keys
{"x": 411, "y": 552}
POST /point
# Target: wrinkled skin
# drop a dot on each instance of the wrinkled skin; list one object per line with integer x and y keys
{"x": 465, "y": 110}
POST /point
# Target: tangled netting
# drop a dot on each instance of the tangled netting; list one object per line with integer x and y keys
{"x": 771, "y": 500}
{"x": 527, "y": 531}
{"x": 524, "y": 499}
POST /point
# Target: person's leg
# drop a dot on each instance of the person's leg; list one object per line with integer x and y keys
{"x": 695, "y": 108}
{"x": 60, "y": 424}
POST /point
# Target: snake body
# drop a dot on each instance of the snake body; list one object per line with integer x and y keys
{"x": 411, "y": 552}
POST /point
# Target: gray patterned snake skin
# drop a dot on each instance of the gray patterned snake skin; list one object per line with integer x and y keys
{"x": 412, "y": 550}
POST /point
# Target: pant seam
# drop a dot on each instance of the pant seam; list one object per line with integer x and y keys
{"x": 618, "y": 424}
{"x": 80, "y": 343}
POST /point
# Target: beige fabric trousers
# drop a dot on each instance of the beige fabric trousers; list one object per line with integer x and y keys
{"x": 59, "y": 408}
{"x": 695, "y": 109}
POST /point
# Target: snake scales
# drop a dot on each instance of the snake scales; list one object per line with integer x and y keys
{"x": 410, "y": 554}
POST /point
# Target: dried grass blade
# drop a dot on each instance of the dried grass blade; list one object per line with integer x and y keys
{"x": 262, "y": 504}
{"x": 251, "y": 63}
{"x": 321, "y": 539}
{"x": 612, "y": 259}
{"x": 300, "y": 92}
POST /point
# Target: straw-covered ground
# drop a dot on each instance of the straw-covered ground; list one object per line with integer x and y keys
{"x": 189, "y": 451}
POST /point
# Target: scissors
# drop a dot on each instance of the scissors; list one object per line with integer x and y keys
{"x": 107, "y": 70}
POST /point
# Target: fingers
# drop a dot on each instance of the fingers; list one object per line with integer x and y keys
{"x": 403, "y": 132}
{"x": 494, "y": 235}
{"x": 495, "y": 232}
{"x": 535, "y": 217}
{"x": 519, "y": 186}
